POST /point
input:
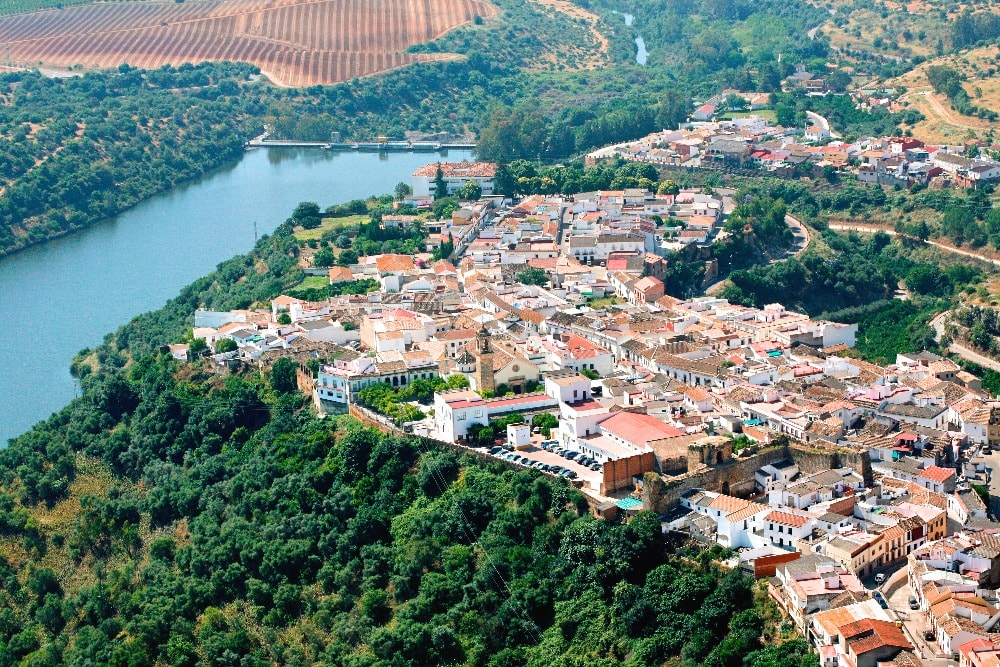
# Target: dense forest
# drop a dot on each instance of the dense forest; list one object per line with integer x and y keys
{"x": 76, "y": 150}
{"x": 173, "y": 515}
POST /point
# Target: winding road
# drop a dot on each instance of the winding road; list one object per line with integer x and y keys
{"x": 955, "y": 348}
{"x": 864, "y": 229}
{"x": 799, "y": 231}
{"x": 938, "y": 322}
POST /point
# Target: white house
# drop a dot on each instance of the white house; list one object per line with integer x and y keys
{"x": 784, "y": 529}
{"x": 456, "y": 174}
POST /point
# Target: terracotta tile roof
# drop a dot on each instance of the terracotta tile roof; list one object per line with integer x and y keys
{"x": 747, "y": 512}
{"x": 581, "y": 348}
{"x": 638, "y": 428}
{"x": 937, "y": 473}
{"x": 459, "y": 169}
{"x": 833, "y": 619}
{"x": 340, "y": 273}
{"x": 392, "y": 262}
{"x": 787, "y": 519}
{"x": 873, "y": 634}
{"x": 456, "y": 334}
{"x": 531, "y": 316}
{"x": 728, "y": 504}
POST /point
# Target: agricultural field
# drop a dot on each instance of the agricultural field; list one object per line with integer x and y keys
{"x": 941, "y": 122}
{"x": 294, "y": 42}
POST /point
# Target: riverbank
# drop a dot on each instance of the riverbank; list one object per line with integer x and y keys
{"x": 72, "y": 291}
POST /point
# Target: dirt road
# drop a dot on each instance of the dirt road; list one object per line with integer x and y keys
{"x": 864, "y": 229}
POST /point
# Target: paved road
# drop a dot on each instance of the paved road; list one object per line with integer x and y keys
{"x": 897, "y": 593}
{"x": 816, "y": 119}
{"x": 993, "y": 463}
{"x": 969, "y": 355}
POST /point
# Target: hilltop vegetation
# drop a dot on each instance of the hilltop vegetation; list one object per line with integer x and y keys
{"x": 175, "y": 516}
{"x": 73, "y": 151}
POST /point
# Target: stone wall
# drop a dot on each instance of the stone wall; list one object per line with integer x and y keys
{"x": 733, "y": 477}
{"x": 736, "y": 476}
{"x": 812, "y": 459}
{"x": 618, "y": 474}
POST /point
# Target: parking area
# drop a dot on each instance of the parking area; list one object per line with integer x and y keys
{"x": 534, "y": 453}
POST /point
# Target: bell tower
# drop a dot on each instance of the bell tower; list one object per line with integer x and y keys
{"x": 484, "y": 362}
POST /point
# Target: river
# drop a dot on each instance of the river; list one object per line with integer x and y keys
{"x": 65, "y": 295}
{"x": 641, "y": 54}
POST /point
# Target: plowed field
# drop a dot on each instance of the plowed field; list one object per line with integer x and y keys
{"x": 295, "y": 42}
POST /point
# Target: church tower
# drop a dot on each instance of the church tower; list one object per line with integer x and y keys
{"x": 484, "y": 362}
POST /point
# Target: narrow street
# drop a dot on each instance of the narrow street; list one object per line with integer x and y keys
{"x": 897, "y": 593}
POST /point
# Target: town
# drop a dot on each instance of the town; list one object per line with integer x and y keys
{"x": 859, "y": 492}
{"x": 750, "y": 143}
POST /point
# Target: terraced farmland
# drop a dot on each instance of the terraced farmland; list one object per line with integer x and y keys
{"x": 295, "y": 42}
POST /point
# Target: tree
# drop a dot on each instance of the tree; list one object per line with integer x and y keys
{"x": 838, "y": 80}
{"x": 307, "y": 214}
{"x": 736, "y": 102}
{"x": 545, "y": 422}
{"x": 668, "y": 188}
{"x": 347, "y": 257}
{"x": 785, "y": 115}
{"x": 283, "y": 376}
{"x": 440, "y": 185}
{"x": 470, "y": 191}
{"x": 445, "y": 249}
{"x": 324, "y": 258}
{"x": 533, "y": 276}
{"x": 402, "y": 190}
{"x": 443, "y": 208}
{"x": 503, "y": 182}
{"x": 284, "y": 319}
{"x": 227, "y": 344}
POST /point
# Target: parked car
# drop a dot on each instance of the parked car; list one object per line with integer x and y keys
{"x": 494, "y": 450}
{"x": 879, "y": 578}
{"x": 928, "y": 635}
{"x": 913, "y": 603}
{"x": 880, "y": 599}
{"x": 596, "y": 466}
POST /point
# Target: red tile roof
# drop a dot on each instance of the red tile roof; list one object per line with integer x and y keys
{"x": 386, "y": 263}
{"x": 936, "y": 473}
{"x": 581, "y": 348}
{"x": 879, "y": 634}
{"x": 456, "y": 334}
{"x": 459, "y": 169}
{"x": 787, "y": 519}
{"x": 638, "y": 428}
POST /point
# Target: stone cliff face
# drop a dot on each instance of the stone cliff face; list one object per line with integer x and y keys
{"x": 735, "y": 476}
